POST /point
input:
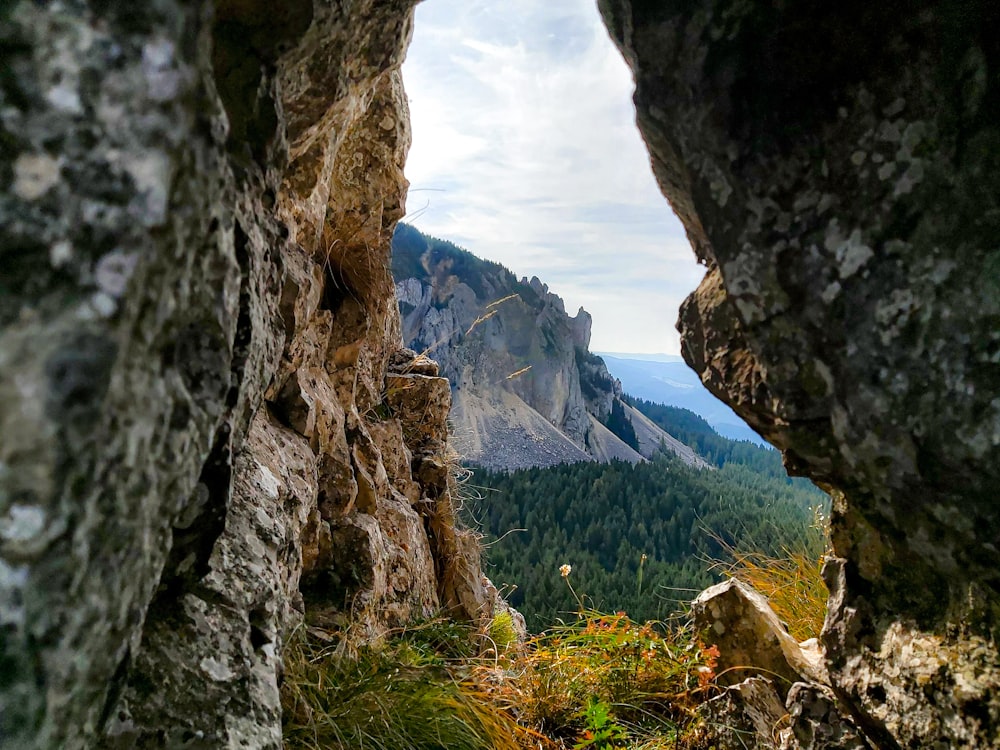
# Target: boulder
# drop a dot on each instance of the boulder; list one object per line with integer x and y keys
{"x": 750, "y": 638}
{"x": 836, "y": 167}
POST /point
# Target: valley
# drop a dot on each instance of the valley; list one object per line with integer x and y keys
{"x": 612, "y": 464}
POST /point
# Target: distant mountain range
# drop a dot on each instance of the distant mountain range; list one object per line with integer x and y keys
{"x": 666, "y": 379}
{"x": 526, "y": 390}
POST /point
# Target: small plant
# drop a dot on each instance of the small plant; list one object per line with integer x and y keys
{"x": 601, "y": 729}
{"x": 502, "y": 633}
{"x": 792, "y": 582}
{"x": 405, "y": 696}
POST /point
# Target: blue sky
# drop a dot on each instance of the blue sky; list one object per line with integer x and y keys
{"x": 525, "y": 152}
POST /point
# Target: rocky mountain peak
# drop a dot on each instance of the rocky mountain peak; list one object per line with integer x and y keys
{"x": 526, "y": 389}
{"x": 582, "y": 324}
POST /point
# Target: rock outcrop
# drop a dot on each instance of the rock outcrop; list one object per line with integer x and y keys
{"x": 207, "y": 430}
{"x": 836, "y": 169}
{"x": 526, "y": 389}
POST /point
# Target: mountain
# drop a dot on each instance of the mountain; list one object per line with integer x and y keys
{"x": 666, "y": 379}
{"x": 526, "y": 390}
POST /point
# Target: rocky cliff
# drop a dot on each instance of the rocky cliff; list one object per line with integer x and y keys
{"x": 526, "y": 390}
{"x": 836, "y": 168}
{"x": 206, "y": 430}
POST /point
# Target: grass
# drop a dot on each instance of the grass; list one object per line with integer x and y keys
{"x": 606, "y": 681}
{"x": 792, "y": 582}
{"x": 598, "y": 682}
{"x": 408, "y": 695}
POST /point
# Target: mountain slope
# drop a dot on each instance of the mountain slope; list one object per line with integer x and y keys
{"x": 666, "y": 379}
{"x": 525, "y": 389}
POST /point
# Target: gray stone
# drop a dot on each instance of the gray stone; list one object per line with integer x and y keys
{"x": 817, "y": 723}
{"x": 748, "y": 715}
{"x": 850, "y": 308}
{"x": 750, "y": 638}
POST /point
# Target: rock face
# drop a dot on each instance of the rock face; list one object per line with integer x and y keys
{"x": 526, "y": 389}
{"x": 836, "y": 169}
{"x": 207, "y": 430}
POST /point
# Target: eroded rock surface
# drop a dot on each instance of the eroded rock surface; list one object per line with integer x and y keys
{"x": 201, "y": 438}
{"x": 526, "y": 390}
{"x": 750, "y": 638}
{"x": 836, "y": 168}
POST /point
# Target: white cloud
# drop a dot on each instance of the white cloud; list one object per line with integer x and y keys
{"x": 525, "y": 152}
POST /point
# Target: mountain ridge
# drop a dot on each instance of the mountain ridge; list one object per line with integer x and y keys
{"x": 526, "y": 390}
{"x": 667, "y": 380}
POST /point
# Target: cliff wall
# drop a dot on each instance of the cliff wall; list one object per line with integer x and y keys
{"x": 835, "y": 167}
{"x": 526, "y": 389}
{"x": 206, "y": 430}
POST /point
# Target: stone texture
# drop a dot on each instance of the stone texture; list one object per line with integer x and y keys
{"x": 196, "y": 323}
{"x": 835, "y": 167}
{"x": 526, "y": 389}
{"x": 750, "y": 638}
{"x": 816, "y": 721}
{"x": 747, "y": 715}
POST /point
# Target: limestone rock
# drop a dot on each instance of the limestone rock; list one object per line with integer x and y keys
{"x": 196, "y": 327}
{"x": 526, "y": 390}
{"x": 836, "y": 169}
{"x": 750, "y": 638}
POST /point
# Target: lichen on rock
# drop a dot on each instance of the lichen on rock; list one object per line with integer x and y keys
{"x": 835, "y": 167}
{"x": 196, "y": 328}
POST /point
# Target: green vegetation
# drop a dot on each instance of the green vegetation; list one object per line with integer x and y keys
{"x": 420, "y": 256}
{"x": 693, "y": 430}
{"x": 604, "y": 518}
{"x": 601, "y": 681}
{"x": 409, "y": 694}
{"x": 604, "y": 681}
{"x": 620, "y": 425}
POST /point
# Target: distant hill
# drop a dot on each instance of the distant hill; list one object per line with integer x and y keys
{"x": 526, "y": 390}
{"x": 611, "y": 521}
{"x": 666, "y": 379}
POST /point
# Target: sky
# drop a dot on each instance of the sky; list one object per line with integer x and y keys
{"x": 525, "y": 152}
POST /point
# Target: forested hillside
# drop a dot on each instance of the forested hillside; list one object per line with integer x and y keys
{"x": 603, "y": 518}
{"x": 694, "y": 430}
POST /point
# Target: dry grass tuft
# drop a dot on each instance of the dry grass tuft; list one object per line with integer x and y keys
{"x": 406, "y": 696}
{"x": 792, "y": 582}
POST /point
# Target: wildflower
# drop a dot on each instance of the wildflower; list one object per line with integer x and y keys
{"x": 565, "y": 570}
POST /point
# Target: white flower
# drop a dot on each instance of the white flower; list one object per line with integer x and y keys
{"x": 565, "y": 570}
